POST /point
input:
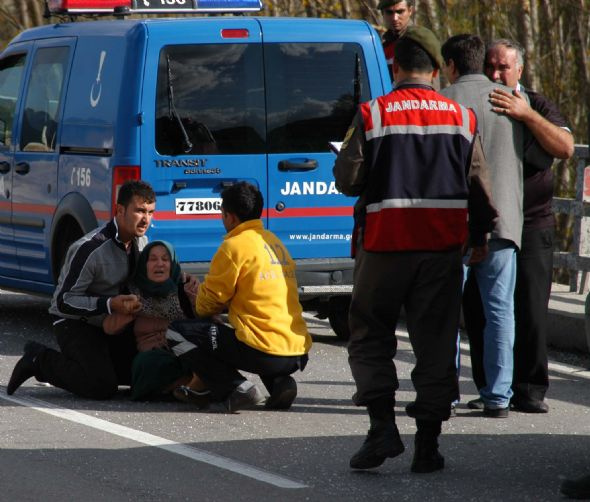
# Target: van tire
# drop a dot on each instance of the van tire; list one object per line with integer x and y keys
{"x": 69, "y": 233}
{"x": 338, "y": 317}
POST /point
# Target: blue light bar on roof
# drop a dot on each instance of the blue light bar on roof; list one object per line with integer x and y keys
{"x": 229, "y": 4}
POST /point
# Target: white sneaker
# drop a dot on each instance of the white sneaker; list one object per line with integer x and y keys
{"x": 244, "y": 397}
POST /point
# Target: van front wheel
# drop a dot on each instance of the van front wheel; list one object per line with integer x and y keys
{"x": 69, "y": 232}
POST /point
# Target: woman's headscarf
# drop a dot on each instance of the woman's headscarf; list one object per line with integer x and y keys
{"x": 150, "y": 288}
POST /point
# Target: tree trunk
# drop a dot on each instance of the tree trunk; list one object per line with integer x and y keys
{"x": 581, "y": 59}
{"x": 36, "y": 10}
{"x": 431, "y": 14}
{"x": 345, "y": 9}
{"x": 22, "y": 12}
{"x": 528, "y": 43}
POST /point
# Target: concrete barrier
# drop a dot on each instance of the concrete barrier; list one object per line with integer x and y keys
{"x": 567, "y": 325}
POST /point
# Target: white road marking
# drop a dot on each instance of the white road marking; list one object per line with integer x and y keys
{"x": 155, "y": 441}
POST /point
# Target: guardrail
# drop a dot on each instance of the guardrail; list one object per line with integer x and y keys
{"x": 578, "y": 259}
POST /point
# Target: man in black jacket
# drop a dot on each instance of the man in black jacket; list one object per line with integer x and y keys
{"x": 91, "y": 363}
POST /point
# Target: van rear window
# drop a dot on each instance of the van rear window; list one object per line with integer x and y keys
{"x": 210, "y": 99}
{"x": 216, "y": 99}
{"x": 311, "y": 93}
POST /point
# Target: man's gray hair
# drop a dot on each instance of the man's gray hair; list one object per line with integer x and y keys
{"x": 509, "y": 44}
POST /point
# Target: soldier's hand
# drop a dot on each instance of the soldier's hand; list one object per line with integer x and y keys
{"x": 125, "y": 304}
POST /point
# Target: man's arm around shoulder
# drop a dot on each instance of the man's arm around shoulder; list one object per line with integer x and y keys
{"x": 556, "y": 141}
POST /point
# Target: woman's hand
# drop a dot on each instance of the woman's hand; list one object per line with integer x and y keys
{"x": 191, "y": 285}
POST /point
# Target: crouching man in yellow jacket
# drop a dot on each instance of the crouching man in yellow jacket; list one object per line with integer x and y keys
{"x": 253, "y": 275}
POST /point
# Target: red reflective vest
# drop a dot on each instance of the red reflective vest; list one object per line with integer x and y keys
{"x": 419, "y": 146}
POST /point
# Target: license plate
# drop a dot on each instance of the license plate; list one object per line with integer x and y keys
{"x": 198, "y": 206}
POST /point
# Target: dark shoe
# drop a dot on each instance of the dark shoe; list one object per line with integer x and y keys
{"x": 453, "y": 409}
{"x": 25, "y": 367}
{"x": 382, "y": 441}
{"x": 244, "y": 397}
{"x": 427, "y": 457}
{"x": 529, "y": 406}
{"x": 495, "y": 412}
{"x": 191, "y": 396}
{"x": 576, "y": 488}
{"x": 284, "y": 392}
{"x": 413, "y": 411}
{"x": 476, "y": 404}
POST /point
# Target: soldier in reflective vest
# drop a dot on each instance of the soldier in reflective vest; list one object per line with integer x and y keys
{"x": 415, "y": 160}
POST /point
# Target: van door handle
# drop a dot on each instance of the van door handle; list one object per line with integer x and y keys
{"x": 298, "y": 165}
{"x": 22, "y": 168}
{"x": 4, "y": 167}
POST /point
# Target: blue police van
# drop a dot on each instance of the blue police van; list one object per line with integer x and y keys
{"x": 191, "y": 105}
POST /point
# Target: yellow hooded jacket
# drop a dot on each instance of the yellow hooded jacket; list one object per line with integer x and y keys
{"x": 253, "y": 273}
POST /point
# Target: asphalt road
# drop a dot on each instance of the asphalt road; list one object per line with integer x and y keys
{"x": 58, "y": 447}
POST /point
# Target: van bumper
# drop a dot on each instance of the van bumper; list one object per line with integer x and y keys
{"x": 318, "y": 277}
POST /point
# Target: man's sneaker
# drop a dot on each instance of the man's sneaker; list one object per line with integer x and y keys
{"x": 191, "y": 396}
{"x": 25, "y": 367}
{"x": 284, "y": 392}
{"x": 576, "y": 488}
{"x": 476, "y": 404}
{"x": 382, "y": 441}
{"x": 244, "y": 397}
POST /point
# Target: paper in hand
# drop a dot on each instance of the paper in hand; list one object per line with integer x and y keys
{"x": 335, "y": 146}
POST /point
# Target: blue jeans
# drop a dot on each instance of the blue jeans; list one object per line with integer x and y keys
{"x": 496, "y": 278}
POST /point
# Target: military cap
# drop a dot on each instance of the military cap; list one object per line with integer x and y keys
{"x": 427, "y": 40}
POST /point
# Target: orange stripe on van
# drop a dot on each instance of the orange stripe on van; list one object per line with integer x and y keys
{"x": 33, "y": 208}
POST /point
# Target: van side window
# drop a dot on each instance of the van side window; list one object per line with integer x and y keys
{"x": 11, "y": 72}
{"x": 210, "y": 99}
{"x": 43, "y": 97}
{"x": 311, "y": 93}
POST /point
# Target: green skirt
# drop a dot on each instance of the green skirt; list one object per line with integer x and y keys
{"x": 153, "y": 372}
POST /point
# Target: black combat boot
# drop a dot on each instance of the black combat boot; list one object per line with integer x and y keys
{"x": 25, "y": 368}
{"x": 383, "y": 439}
{"x": 426, "y": 455}
{"x": 576, "y": 488}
